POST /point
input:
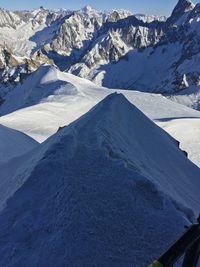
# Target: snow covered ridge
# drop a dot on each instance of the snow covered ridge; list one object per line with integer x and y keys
{"x": 44, "y": 83}
{"x": 58, "y": 98}
{"x": 85, "y": 195}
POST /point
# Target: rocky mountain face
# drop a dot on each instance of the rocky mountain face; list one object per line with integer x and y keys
{"x": 116, "y": 49}
{"x": 176, "y": 40}
{"x": 44, "y": 35}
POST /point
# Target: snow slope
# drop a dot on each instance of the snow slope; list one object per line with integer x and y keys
{"x": 55, "y": 107}
{"x": 14, "y": 144}
{"x": 187, "y": 131}
{"x": 98, "y": 193}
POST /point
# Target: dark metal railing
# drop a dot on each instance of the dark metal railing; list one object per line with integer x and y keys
{"x": 188, "y": 245}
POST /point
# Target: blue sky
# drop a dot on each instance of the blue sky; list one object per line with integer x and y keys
{"x": 162, "y": 7}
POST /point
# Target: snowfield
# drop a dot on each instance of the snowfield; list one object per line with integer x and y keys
{"x": 49, "y": 99}
{"x": 100, "y": 192}
{"x": 187, "y": 131}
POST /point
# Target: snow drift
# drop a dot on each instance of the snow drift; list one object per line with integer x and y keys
{"x": 100, "y": 192}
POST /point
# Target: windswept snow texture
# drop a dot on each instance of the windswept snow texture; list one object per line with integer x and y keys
{"x": 14, "y": 144}
{"x": 100, "y": 192}
{"x": 59, "y": 106}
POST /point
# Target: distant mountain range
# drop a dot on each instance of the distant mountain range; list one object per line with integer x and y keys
{"x": 115, "y": 49}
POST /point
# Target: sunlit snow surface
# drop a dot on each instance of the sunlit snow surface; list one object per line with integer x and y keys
{"x": 53, "y": 99}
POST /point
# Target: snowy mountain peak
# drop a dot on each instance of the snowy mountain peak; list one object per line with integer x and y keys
{"x": 120, "y": 128}
{"x": 185, "y": 5}
{"x": 107, "y": 107}
{"x": 9, "y": 19}
{"x": 88, "y": 8}
{"x": 104, "y": 115}
{"x": 196, "y": 10}
{"x": 37, "y": 10}
{"x": 116, "y": 15}
{"x": 89, "y": 11}
{"x": 182, "y": 7}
